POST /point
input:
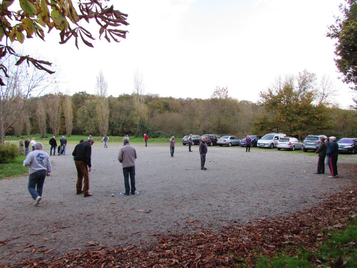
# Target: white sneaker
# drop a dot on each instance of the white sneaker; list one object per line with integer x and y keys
{"x": 38, "y": 200}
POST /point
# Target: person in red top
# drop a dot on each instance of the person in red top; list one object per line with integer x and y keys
{"x": 145, "y": 139}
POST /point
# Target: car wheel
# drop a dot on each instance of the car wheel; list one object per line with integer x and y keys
{"x": 305, "y": 150}
{"x": 271, "y": 146}
{"x": 354, "y": 151}
{"x": 229, "y": 144}
{"x": 279, "y": 149}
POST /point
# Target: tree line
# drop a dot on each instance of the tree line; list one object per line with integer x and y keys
{"x": 293, "y": 110}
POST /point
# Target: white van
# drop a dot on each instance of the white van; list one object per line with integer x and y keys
{"x": 269, "y": 140}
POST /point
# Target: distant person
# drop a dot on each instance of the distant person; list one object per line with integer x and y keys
{"x": 22, "y": 145}
{"x": 190, "y": 142}
{"x": 172, "y": 146}
{"x": 321, "y": 151}
{"x": 63, "y": 142}
{"x": 327, "y": 145}
{"x": 82, "y": 156}
{"x": 145, "y": 139}
{"x": 332, "y": 153}
{"x": 33, "y": 142}
{"x": 53, "y": 144}
{"x": 127, "y": 156}
{"x": 40, "y": 167}
{"x": 27, "y": 145}
{"x": 203, "y": 149}
{"x": 248, "y": 143}
{"x": 105, "y": 139}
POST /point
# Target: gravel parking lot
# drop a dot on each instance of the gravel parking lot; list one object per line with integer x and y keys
{"x": 175, "y": 197}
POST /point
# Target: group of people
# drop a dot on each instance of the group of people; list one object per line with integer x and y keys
{"x": 203, "y": 149}
{"x": 61, "y": 149}
{"x": 328, "y": 149}
{"x": 24, "y": 145}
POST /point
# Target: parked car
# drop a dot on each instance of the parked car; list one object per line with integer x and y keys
{"x": 312, "y": 142}
{"x": 195, "y": 138}
{"x": 211, "y": 139}
{"x": 229, "y": 141}
{"x": 254, "y": 139}
{"x": 347, "y": 145}
{"x": 270, "y": 140}
{"x": 289, "y": 143}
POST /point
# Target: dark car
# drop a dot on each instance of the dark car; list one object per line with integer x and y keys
{"x": 312, "y": 142}
{"x": 211, "y": 139}
{"x": 195, "y": 138}
{"x": 254, "y": 139}
{"x": 347, "y": 145}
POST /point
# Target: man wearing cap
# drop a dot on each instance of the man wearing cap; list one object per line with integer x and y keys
{"x": 40, "y": 166}
{"x": 82, "y": 156}
{"x": 332, "y": 153}
{"x": 127, "y": 156}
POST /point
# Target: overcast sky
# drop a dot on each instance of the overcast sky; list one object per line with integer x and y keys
{"x": 187, "y": 48}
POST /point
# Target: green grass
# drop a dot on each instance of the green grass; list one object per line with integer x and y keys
{"x": 14, "y": 168}
{"x": 340, "y": 250}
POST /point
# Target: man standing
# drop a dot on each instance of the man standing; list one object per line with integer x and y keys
{"x": 21, "y": 143}
{"x": 190, "y": 142}
{"x": 40, "y": 166}
{"x": 332, "y": 153}
{"x": 127, "y": 156}
{"x": 105, "y": 139}
{"x": 53, "y": 144}
{"x": 27, "y": 144}
{"x": 248, "y": 143}
{"x": 82, "y": 156}
{"x": 63, "y": 142}
{"x": 146, "y": 139}
{"x": 203, "y": 149}
{"x": 321, "y": 151}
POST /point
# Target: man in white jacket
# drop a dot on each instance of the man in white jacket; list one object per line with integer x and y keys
{"x": 40, "y": 166}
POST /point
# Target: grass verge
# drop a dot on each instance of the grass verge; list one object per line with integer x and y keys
{"x": 339, "y": 250}
{"x": 14, "y": 168}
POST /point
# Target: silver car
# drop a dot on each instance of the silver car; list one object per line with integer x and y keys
{"x": 229, "y": 141}
{"x": 289, "y": 143}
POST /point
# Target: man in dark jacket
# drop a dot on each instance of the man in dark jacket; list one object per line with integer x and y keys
{"x": 82, "y": 156}
{"x": 203, "y": 149}
{"x": 53, "y": 144}
{"x": 321, "y": 151}
{"x": 332, "y": 153}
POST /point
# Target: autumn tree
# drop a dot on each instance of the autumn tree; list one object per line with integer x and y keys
{"x": 289, "y": 108}
{"x": 68, "y": 114}
{"x": 102, "y": 107}
{"x": 41, "y": 117}
{"x": 53, "y": 109}
{"x": 140, "y": 108}
{"x": 344, "y": 31}
{"x": 33, "y": 18}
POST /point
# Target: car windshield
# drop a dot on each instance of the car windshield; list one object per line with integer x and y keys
{"x": 268, "y": 137}
{"x": 345, "y": 141}
{"x": 224, "y": 137}
{"x": 312, "y": 138}
{"x": 284, "y": 139}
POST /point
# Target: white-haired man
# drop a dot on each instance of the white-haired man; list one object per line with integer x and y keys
{"x": 40, "y": 167}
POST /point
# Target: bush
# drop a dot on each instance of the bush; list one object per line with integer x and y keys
{"x": 8, "y": 152}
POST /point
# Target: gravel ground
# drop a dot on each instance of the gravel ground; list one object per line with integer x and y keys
{"x": 175, "y": 197}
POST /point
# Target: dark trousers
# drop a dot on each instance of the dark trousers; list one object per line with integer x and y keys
{"x": 189, "y": 146}
{"x": 202, "y": 160}
{"x": 129, "y": 172}
{"x": 248, "y": 146}
{"x": 171, "y": 151}
{"x": 53, "y": 148}
{"x": 82, "y": 175}
{"x": 333, "y": 165}
{"x": 321, "y": 164}
{"x": 36, "y": 183}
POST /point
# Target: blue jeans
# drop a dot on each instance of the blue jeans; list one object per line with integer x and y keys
{"x": 36, "y": 183}
{"x": 129, "y": 171}
{"x": 105, "y": 144}
{"x": 63, "y": 149}
{"x": 171, "y": 151}
{"x": 54, "y": 150}
{"x": 26, "y": 150}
